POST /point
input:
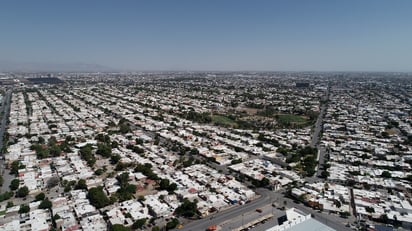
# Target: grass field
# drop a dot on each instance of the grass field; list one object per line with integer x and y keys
{"x": 292, "y": 119}
{"x": 223, "y": 121}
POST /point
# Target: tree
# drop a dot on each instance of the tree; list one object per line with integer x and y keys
{"x": 14, "y": 184}
{"x": 156, "y": 228}
{"x": 386, "y": 174}
{"x": 324, "y": 174}
{"x": 9, "y": 204}
{"x": 99, "y": 172}
{"x": 55, "y": 150}
{"x": 14, "y": 169}
{"x": 56, "y": 217}
{"x": 187, "y": 208}
{"x": 172, "y": 187}
{"x": 22, "y": 192}
{"x": 81, "y": 184}
{"x": 24, "y": 209}
{"x": 40, "y": 196}
{"x": 123, "y": 179}
{"x": 115, "y": 144}
{"x": 45, "y": 204}
{"x": 164, "y": 184}
{"x": 103, "y": 138}
{"x": 87, "y": 155}
{"x": 370, "y": 209}
{"x": 139, "y": 223}
{"x": 172, "y": 224}
{"x": 124, "y": 128}
{"x": 6, "y": 196}
{"x": 104, "y": 150}
{"x": 384, "y": 218}
{"x": 194, "y": 151}
{"x": 265, "y": 182}
{"x": 115, "y": 158}
{"x": 98, "y": 198}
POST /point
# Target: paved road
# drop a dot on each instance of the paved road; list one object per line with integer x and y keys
{"x": 318, "y": 125}
{"x": 5, "y": 108}
{"x": 266, "y": 198}
{"x": 230, "y": 213}
{"x": 316, "y": 134}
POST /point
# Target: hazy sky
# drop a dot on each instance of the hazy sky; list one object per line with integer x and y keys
{"x": 344, "y": 35}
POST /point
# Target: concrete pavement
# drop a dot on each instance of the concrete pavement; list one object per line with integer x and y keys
{"x": 5, "y": 109}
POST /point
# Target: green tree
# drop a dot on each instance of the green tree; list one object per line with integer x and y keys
{"x": 264, "y": 182}
{"x": 123, "y": 179}
{"x": 172, "y": 187}
{"x": 115, "y": 158}
{"x": 103, "y": 138}
{"x": 104, "y": 150}
{"x": 87, "y": 155}
{"x": 124, "y": 128}
{"x": 164, "y": 184}
{"x": 194, "y": 151}
{"x": 386, "y": 174}
{"x": 14, "y": 184}
{"x": 40, "y": 196}
{"x": 6, "y": 196}
{"x": 138, "y": 224}
{"x": 45, "y": 204}
{"x": 81, "y": 184}
{"x": 9, "y": 204}
{"x": 324, "y": 174}
{"x": 22, "y": 192}
{"x": 98, "y": 198}
{"x": 187, "y": 208}
{"x": 172, "y": 224}
{"x": 99, "y": 172}
{"x": 115, "y": 144}
{"x": 55, "y": 150}
{"x": 14, "y": 168}
{"x": 24, "y": 209}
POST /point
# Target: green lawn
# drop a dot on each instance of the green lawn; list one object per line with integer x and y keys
{"x": 223, "y": 121}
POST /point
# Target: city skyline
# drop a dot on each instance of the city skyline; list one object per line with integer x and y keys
{"x": 212, "y": 35}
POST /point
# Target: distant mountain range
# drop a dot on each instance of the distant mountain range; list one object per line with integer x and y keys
{"x": 9, "y": 66}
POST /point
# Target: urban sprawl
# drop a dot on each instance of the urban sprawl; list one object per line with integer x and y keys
{"x": 206, "y": 151}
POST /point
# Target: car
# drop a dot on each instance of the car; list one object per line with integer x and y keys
{"x": 259, "y": 210}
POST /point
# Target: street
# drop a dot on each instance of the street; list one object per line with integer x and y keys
{"x": 5, "y": 109}
{"x": 234, "y": 215}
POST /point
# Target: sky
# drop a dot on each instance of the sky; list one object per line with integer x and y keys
{"x": 227, "y": 35}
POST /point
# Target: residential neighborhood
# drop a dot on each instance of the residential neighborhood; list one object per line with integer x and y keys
{"x": 181, "y": 150}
